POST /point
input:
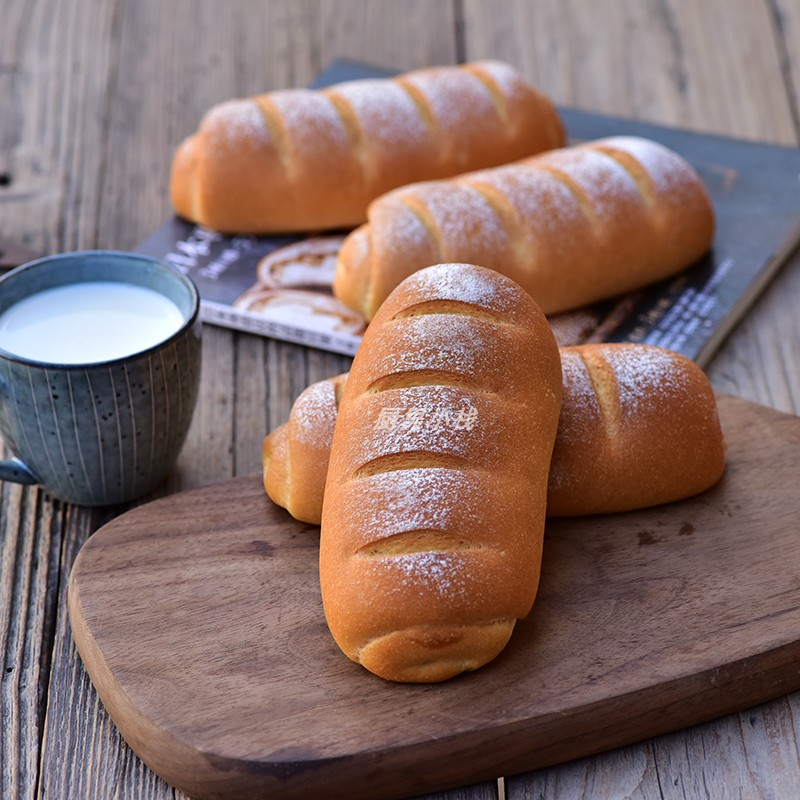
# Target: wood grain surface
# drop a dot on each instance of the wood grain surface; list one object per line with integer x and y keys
{"x": 199, "y": 620}
{"x": 95, "y": 94}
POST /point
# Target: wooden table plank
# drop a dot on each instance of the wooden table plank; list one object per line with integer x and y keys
{"x": 30, "y": 537}
{"x": 51, "y": 130}
{"x": 786, "y": 19}
{"x": 710, "y": 66}
{"x": 82, "y": 753}
{"x": 759, "y": 360}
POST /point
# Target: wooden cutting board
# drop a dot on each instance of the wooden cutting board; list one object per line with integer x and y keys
{"x": 199, "y": 620}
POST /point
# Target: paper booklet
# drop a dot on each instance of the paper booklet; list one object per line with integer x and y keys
{"x": 280, "y": 286}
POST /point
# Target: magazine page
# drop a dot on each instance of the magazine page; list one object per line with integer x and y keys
{"x": 273, "y": 286}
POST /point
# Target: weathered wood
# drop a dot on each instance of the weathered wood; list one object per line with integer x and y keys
{"x": 30, "y": 535}
{"x": 78, "y": 732}
{"x": 786, "y": 26}
{"x": 710, "y": 66}
{"x": 628, "y": 772}
{"x": 751, "y": 754}
{"x": 56, "y": 63}
{"x": 13, "y": 254}
{"x": 759, "y": 360}
{"x": 208, "y": 454}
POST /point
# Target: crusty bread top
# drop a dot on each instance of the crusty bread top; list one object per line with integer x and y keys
{"x": 295, "y": 455}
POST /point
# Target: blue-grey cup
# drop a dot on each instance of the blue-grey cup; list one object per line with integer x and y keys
{"x": 105, "y": 432}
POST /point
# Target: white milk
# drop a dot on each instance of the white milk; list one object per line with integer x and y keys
{"x": 83, "y": 323}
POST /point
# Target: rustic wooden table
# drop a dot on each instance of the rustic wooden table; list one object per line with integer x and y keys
{"x": 94, "y": 96}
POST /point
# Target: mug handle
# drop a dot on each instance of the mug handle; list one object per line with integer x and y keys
{"x": 15, "y": 470}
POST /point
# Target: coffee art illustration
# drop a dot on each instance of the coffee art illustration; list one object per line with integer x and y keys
{"x": 309, "y": 263}
{"x": 318, "y": 311}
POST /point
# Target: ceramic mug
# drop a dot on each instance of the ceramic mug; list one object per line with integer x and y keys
{"x": 105, "y": 427}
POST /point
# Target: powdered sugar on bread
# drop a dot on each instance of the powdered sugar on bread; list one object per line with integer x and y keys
{"x": 317, "y": 158}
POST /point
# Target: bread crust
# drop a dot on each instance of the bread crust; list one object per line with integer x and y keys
{"x": 295, "y": 455}
{"x": 433, "y": 517}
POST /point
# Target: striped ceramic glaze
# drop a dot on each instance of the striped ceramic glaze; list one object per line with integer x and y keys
{"x": 103, "y": 433}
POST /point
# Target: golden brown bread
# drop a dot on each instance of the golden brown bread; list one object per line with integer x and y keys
{"x": 571, "y": 226}
{"x": 433, "y": 520}
{"x": 638, "y": 427}
{"x": 304, "y": 159}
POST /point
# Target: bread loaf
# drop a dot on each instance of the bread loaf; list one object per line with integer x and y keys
{"x": 638, "y": 427}
{"x": 301, "y": 160}
{"x": 433, "y": 520}
{"x": 572, "y": 226}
